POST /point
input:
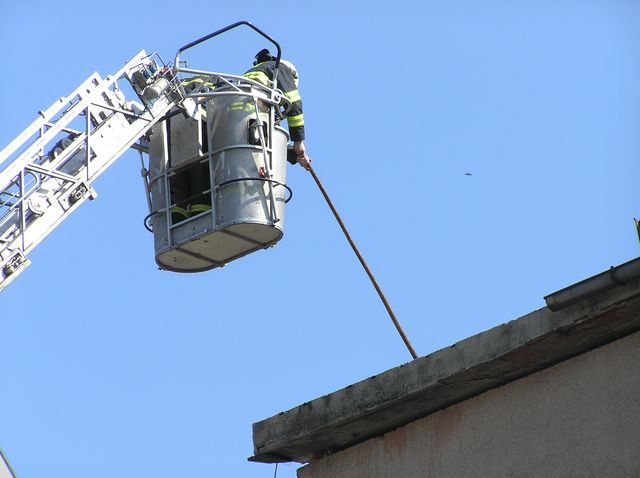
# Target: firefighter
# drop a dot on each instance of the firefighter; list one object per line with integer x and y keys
{"x": 263, "y": 71}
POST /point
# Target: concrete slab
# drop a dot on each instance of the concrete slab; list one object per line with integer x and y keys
{"x": 404, "y": 394}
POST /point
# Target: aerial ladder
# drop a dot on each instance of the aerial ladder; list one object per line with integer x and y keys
{"x": 48, "y": 170}
{"x": 215, "y": 177}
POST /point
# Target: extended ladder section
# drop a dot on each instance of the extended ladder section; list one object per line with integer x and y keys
{"x": 47, "y": 171}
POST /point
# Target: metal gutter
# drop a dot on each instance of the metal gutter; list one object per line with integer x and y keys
{"x": 615, "y": 276}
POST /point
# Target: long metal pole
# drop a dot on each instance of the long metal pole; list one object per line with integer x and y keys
{"x": 364, "y": 265}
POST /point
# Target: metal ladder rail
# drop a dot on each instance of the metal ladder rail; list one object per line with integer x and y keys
{"x": 31, "y": 158}
{"x": 104, "y": 149}
{"x": 47, "y": 128}
{"x": 75, "y": 104}
{"x": 56, "y": 119}
{"x": 45, "y": 120}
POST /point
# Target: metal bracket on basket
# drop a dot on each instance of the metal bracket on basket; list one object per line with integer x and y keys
{"x": 273, "y": 212}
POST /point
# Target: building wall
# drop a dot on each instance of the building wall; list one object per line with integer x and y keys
{"x": 580, "y": 418}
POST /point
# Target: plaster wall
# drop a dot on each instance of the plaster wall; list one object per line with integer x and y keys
{"x": 579, "y": 418}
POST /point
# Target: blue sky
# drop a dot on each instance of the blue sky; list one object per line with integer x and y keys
{"x": 113, "y": 368}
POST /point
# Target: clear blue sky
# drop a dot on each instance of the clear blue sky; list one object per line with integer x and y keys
{"x": 111, "y": 368}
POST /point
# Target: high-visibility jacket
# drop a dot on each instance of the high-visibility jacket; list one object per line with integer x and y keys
{"x": 263, "y": 73}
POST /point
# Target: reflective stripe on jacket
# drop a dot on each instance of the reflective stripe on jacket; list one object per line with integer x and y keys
{"x": 263, "y": 73}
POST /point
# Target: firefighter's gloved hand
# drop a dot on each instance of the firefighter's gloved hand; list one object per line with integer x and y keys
{"x": 301, "y": 155}
{"x": 305, "y": 162}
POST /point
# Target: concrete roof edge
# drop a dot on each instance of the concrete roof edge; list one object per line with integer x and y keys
{"x": 449, "y": 375}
